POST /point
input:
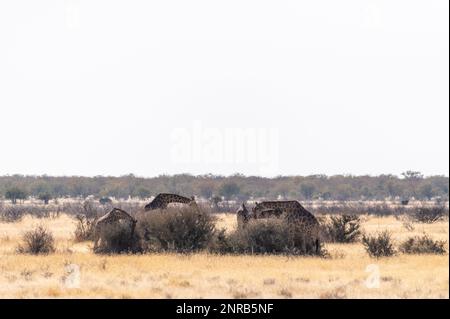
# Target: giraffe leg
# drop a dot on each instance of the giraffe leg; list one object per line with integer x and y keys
{"x": 96, "y": 238}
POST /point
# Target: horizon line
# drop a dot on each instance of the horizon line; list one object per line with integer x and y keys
{"x": 218, "y": 175}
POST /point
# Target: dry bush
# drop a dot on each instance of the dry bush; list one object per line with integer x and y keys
{"x": 85, "y": 228}
{"x": 176, "y": 229}
{"x": 221, "y": 243}
{"x": 37, "y": 241}
{"x": 379, "y": 245}
{"x": 342, "y": 229}
{"x": 87, "y": 208}
{"x": 422, "y": 245}
{"x": 429, "y": 215}
{"x": 118, "y": 238}
{"x": 270, "y": 236}
{"x": 358, "y": 209}
{"x": 13, "y": 213}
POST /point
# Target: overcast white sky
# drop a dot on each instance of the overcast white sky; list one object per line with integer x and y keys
{"x": 152, "y": 87}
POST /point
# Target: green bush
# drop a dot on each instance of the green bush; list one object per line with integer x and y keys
{"x": 182, "y": 230}
{"x": 422, "y": 245}
{"x": 342, "y": 228}
{"x": 37, "y": 241}
{"x": 379, "y": 245}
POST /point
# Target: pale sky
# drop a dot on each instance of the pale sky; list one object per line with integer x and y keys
{"x": 256, "y": 87}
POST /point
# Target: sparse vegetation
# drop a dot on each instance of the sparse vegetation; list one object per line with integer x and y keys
{"x": 270, "y": 236}
{"x": 379, "y": 245}
{"x": 423, "y": 245}
{"x": 342, "y": 228}
{"x": 337, "y": 187}
{"x": 181, "y": 230}
{"x": 203, "y": 275}
{"x": 14, "y": 194}
{"x": 37, "y": 241}
{"x": 117, "y": 238}
{"x": 85, "y": 228}
{"x": 429, "y": 214}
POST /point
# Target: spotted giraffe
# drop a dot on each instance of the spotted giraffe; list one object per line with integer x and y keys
{"x": 294, "y": 212}
{"x": 114, "y": 216}
{"x": 292, "y": 208}
{"x": 162, "y": 200}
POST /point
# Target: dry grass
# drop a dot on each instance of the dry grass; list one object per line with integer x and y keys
{"x": 202, "y": 275}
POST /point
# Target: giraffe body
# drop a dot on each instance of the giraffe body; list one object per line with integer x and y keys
{"x": 116, "y": 215}
{"x": 293, "y": 212}
{"x": 293, "y": 209}
{"x": 162, "y": 200}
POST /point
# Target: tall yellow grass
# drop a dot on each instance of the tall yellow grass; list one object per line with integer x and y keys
{"x": 344, "y": 275}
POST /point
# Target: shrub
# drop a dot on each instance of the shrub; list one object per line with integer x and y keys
{"x": 429, "y": 214}
{"x": 181, "y": 230}
{"x": 342, "y": 229}
{"x": 37, "y": 241}
{"x": 379, "y": 245}
{"x": 221, "y": 243}
{"x": 422, "y": 245}
{"x": 263, "y": 236}
{"x": 11, "y": 213}
{"x": 118, "y": 238}
{"x": 270, "y": 236}
{"x": 85, "y": 228}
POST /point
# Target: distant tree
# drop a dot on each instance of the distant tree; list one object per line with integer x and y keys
{"x": 45, "y": 197}
{"x": 143, "y": 193}
{"x": 229, "y": 189}
{"x": 216, "y": 200}
{"x": 344, "y": 192}
{"x": 282, "y": 190}
{"x": 394, "y": 189}
{"x": 307, "y": 190}
{"x": 412, "y": 175}
{"x": 105, "y": 200}
{"x": 206, "y": 190}
{"x": 335, "y": 187}
{"x": 326, "y": 195}
{"x": 426, "y": 191}
{"x": 15, "y": 194}
{"x": 366, "y": 192}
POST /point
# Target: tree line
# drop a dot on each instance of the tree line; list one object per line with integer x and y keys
{"x": 409, "y": 185}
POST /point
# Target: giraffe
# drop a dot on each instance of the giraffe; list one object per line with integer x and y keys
{"x": 242, "y": 215}
{"x": 293, "y": 209}
{"x": 294, "y": 213}
{"x": 114, "y": 216}
{"x": 162, "y": 200}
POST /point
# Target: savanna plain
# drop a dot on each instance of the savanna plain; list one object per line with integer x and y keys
{"x": 74, "y": 271}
